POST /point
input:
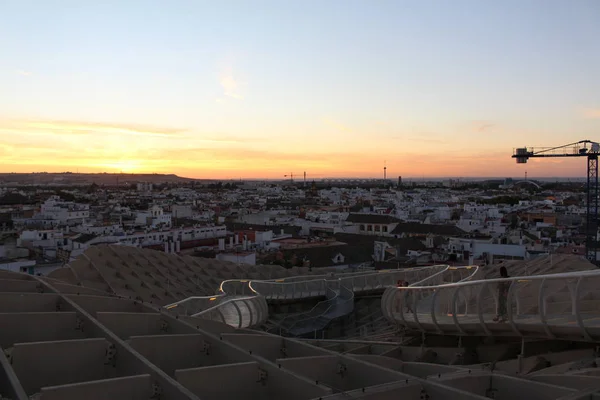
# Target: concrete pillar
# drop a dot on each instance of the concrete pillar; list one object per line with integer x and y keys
{"x": 231, "y": 241}
{"x": 221, "y": 244}
{"x": 237, "y": 239}
{"x": 178, "y": 246}
{"x": 166, "y": 247}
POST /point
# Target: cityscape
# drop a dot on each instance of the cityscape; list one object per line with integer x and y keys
{"x": 299, "y": 200}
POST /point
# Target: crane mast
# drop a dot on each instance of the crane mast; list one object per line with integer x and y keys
{"x": 583, "y": 148}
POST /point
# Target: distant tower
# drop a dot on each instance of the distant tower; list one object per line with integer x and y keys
{"x": 399, "y": 181}
{"x": 304, "y": 178}
{"x": 384, "y": 170}
{"x": 525, "y": 175}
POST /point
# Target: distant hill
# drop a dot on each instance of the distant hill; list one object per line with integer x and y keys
{"x": 44, "y": 178}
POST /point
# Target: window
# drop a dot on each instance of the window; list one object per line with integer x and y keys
{"x": 377, "y": 228}
{"x": 384, "y": 228}
{"x": 370, "y": 228}
{"x": 362, "y": 227}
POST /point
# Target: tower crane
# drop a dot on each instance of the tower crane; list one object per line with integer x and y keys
{"x": 583, "y": 148}
{"x": 291, "y": 175}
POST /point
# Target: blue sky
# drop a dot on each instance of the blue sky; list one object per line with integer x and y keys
{"x": 257, "y": 87}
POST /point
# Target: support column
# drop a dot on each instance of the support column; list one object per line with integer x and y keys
{"x": 591, "y": 246}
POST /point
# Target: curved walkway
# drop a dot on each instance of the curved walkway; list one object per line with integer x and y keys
{"x": 556, "y": 306}
{"x": 243, "y": 303}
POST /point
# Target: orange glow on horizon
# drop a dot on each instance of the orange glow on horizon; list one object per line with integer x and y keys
{"x": 58, "y": 146}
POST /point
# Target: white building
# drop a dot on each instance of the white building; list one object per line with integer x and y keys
{"x": 153, "y": 218}
{"x": 44, "y": 238}
{"x": 174, "y": 238}
{"x": 181, "y": 211}
{"x": 469, "y": 249}
{"x": 66, "y": 212}
{"x": 144, "y": 187}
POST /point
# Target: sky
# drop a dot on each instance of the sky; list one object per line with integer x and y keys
{"x": 261, "y": 89}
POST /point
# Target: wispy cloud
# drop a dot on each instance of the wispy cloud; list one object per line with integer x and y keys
{"x": 482, "y": 126}
{"x": 336, "y": 125}
{"x": 231, "y": 86}
{"x": 425, "y": 138}
{"x": 229, "y": 139}
{"x": 23, "y": 72}
{"x": 591, "y": 113}
{"x": 82, "y": 128}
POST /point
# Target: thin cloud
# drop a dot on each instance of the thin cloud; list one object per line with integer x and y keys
{"x": 229, "y": 139}
{"x": 485, "y": 127}
{"x": 83, "y": 128}
{"x": 421, "y": 139}
{"x": 482, "y": 126}
{"x": 231, "y": 87}
{"x": 591, "y": 113}
{"x": 336, "y": 125}
{"x": 23, "y": 72}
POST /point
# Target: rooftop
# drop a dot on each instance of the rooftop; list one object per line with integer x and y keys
{"x": 76, "y": 341}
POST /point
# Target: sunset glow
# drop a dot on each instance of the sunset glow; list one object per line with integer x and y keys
{"x": 200, "y": 91}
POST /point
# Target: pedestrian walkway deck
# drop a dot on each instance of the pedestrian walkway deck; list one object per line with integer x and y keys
{"x": 557, "y": 306}
{"x": 242, "y": 303}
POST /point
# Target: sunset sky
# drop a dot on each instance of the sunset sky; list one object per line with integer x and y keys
{"x": 258, "y": 89}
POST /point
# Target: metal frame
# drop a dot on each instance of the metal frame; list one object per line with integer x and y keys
{"x": 577, "y": 149}
{"x": 478, "y": 289}
{"x": 257, "y": 292}
{"x": 591, "y": 241}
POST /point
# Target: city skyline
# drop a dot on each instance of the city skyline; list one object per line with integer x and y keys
{"x": 432, "y": 88}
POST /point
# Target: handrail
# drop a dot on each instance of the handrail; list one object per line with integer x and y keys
{"x": 509, "y": 279}
{"x": 237, "y": 299}
{"x": 548, "y": 306}
{"x": 296, "y": 288}
{"x": 332, "y": 305}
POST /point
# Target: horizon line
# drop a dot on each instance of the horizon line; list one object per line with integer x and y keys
{"x": 300, "y": 178}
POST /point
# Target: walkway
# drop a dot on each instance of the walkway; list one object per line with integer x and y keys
{"x": 243, "y": 303}
{"x": 562, "y": 306}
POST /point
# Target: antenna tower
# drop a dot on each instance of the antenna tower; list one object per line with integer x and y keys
{"x": 384, "y": 170}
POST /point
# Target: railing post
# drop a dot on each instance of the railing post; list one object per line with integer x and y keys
{"x": 576, "y": 308}
{"x": 509, "y": 302}
{"x": 433, "y": 317}
{"x": 239, "y": 313}
{"x": 414, "y": 305}
{"x": 454, "y": 310}
{"x": 480, "y": 309}
{"x": 521, "y": 356}
{"x": 249, "y": 312}
{"x": 571, "y": 287}
{"x": 542, "y": 309}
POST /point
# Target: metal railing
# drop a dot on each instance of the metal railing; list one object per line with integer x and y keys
{"x": 239, "y": 312}
{"x": 565, "y": 305}
{"x": 242, "y": 302}
{"x": 236, "y": 304}
{"x": 340, "y": 302}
